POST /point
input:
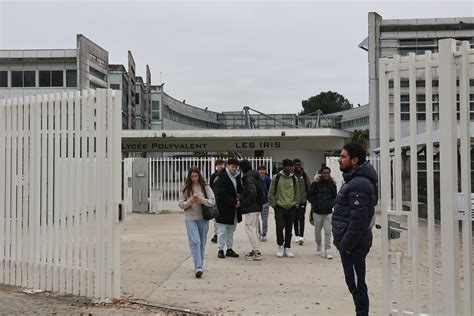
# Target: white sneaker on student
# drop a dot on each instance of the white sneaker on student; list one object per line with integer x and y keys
{"x": 297, "y": 239}
{"x": 280, "y": 251}
{"x": 301, "y": 241}
{"x": 327, "y": 254}
{"x": 288, "y": 253}
{"x": 318, "y": 250}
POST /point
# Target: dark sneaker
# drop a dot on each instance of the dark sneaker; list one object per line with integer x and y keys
{"x": 231, "y": 253}
{"x": 214, "y": 239}
{"x": 250, "y": 256}
{"x": 220, "y": 254}
{"x": 263, "y": 238}
{"x": 198, "y": 273}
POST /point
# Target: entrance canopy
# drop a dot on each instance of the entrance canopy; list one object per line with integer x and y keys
{"x": 324, "y": 139}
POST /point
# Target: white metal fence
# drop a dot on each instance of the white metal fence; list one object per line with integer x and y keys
{"x": 453, "y": 294}
{"x": 60, "y": 192}
{"x": 167, "y": 176}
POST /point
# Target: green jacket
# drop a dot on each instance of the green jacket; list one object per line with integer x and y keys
{"x": 287, "y": 195}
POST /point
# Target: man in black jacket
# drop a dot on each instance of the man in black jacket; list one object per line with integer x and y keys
{"x": 352, "y": 220}
{"x": 227, "y": 189}
{"x": 251, "y": 206}
{"x": 321, "y": 195}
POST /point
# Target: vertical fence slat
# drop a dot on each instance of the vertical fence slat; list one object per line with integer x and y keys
{"x": 14, "y": 191}
{"x": 385, "y": 182}
{"x": 414, "y": 184}
{"x": 56, "y": 205}
{"x": 20, "y": 188}
{"x": 448, "y": 183}
{"x": 43, "y": 199}
{"x": 2, "y": 187}
{"x": 430, "y": 181}
{"x": 8, "y": 181}
{"x": 465, "y": 153}
{"x": 92, "y": 202}
{"x": 63, "y": 195}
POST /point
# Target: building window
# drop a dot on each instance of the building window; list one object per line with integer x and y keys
{"x": 155, "y": 105}
{"x": 71, "y": 78}
{"x": 155, "y": 115}
{"x": 137, "y": 98}
{"x": 57, "y": 78}
{"x": 115, "y": 86}
{"x": 45, "y": 78}
{"x": 17, "y": 78}
{"x": 29, "y": 78}
{"x": 3, "y": 79}
{"x": 94, "y": 72}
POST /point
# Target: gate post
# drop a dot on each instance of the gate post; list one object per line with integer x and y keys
{"x": 448, "y": 173}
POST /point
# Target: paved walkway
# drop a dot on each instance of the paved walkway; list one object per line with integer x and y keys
{"x": 157, "y": 267}
{"x": 157, "y": 270}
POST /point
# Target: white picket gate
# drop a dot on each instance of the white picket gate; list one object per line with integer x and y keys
{"x": 60, "y": 192}
{"x": 453, "y": 293}
{"x": 167, "y": 176}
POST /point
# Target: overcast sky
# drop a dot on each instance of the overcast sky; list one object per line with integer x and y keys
{"x": 224, "y": 55}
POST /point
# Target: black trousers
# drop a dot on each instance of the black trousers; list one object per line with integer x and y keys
{"x": 284, "y": 221}
{"x": 354, "y": 272}
{"x": 299, "y": 220}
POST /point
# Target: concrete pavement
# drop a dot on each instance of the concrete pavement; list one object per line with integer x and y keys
{"x": 157, "y": 267}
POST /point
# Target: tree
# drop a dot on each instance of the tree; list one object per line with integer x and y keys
{"x": 327, "y": 102}
{"x": 361, "y": 137}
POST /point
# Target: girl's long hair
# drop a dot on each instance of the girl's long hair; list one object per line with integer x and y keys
{"x": 188, "y": 185}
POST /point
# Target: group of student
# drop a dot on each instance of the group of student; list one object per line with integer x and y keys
{"x": 241, "y": 193}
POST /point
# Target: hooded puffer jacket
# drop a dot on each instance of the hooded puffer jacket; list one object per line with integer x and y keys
{"x": 354, "y": 209}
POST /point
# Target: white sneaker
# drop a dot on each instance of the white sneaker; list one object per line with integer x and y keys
{"x": 280, "y": 251}
{"x": 301, "y": 241}
{"x": 297, "y": 239}
{"x": 288, "y": 253}
{"x": 318, "y": 250}
{"x": 327, "y": 254}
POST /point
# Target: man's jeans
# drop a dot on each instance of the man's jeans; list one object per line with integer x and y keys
{"x": 197, "y": 235}
{"x": 284, "y": 221}
{"x": 225, "y": 235}
{"x": 354, "y": 272}
{"x": 322, "y": 221}
{"x": 265, "y": 210}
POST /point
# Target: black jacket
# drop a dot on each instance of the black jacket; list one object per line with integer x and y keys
{"x": 226, "y": 198}
{"x": 249, "y": 201}
{"x": 354, "y": 209}
{"x": 321, "y": 195}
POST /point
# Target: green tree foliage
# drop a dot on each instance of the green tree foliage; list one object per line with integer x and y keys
{"x": 361, "y": 136}
{"x": 327, "y": 102}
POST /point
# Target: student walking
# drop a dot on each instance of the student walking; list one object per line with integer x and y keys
{"x": 266, "y": 180}
{"x": 195, "y": 193}
{"x": 284, "y": 197}
{"x": 219, "y": 165}
{"x": 352, "y": 220}
{"x": 321, "y": 195}
{"x": 251, "y": 206}
{"x": 303, "y": 186}
{"x": 228, "y": 188}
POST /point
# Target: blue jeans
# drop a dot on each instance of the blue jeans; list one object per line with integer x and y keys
{"x": 265, "y": 209}
{"x": 197, "y": 235}
{"x": 225, "y": 235}
{"x": 354, "y": 272}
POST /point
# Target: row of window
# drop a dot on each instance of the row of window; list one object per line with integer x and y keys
{"x": 355, "y": 122}
{"x": 46, "y": 78}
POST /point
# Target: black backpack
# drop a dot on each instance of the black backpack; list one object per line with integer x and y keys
{"x": 260, "y": 191}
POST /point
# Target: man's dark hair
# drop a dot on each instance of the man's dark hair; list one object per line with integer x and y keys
{"x": 296, "y": 160}
{"x": 262, "y": 167}
{"x": 356, "y": 150}
{"x": 324, "y": 168}
{"x": 219, "y": 162}
{"x": 245, "y": 166}
{"x": 233, "y": 161}
{"x": 288, "y": 163}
